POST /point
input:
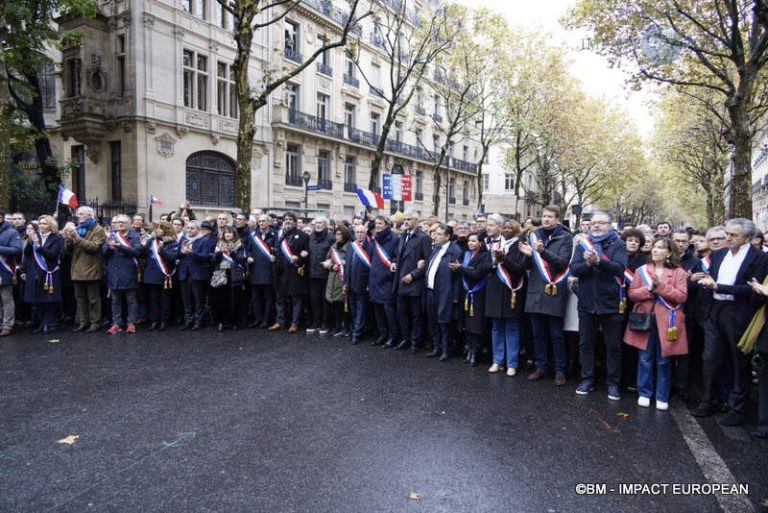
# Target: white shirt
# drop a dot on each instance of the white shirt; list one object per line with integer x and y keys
{"x": 729, "y": 269}
{"x": 433, "y": 265}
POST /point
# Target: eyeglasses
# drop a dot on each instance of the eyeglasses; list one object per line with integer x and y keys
{"x": 712, "y": 239}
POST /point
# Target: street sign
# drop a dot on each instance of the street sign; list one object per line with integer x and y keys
{"x": 313, "y": 187}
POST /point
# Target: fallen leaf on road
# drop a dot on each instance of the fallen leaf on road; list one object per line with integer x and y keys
{"x": 623, "y": 415}
{"x": 414, "y": 496}
{"x": 54, "y": 341}
{"x": 764, "y": 504}
{"x": 71, "y": 439}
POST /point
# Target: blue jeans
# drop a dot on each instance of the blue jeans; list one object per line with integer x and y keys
{"x": 546, "y": 328}
{"x": 645, "y": 366}
{"x": 129, "y": 295}
{"x": 505, "y": 336}
{"x": 357, "y": 305}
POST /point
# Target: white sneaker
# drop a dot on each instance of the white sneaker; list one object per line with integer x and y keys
{"x": 661, "y": 405}
{"x": 645, "y": 402}
{"x": 494, "y": 368}
{"x": 511, "y": 372}
{"x": 310, "y": 331}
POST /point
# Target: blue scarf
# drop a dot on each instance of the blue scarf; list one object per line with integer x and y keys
{"x": 83, "y": 227}
{"x": 598, "y": 240}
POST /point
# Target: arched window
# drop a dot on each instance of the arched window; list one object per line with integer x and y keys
{"x": 210, "y": 179}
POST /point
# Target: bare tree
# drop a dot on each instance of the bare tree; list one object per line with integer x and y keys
{"x": 250, "y": 16}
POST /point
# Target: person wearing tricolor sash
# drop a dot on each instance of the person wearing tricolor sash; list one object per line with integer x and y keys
{"x": 231, "y": 257}
{"x": 42, "y": 270}
{"x": 261, "y": 259}
{"x": 505, "y": 294}
{"x": 320, "y": 240}
{"x": 335, "y": 293}
{"x": 443, "y": 283}
{"x": 121, "y": 251}
{"x": 161, "y": 253}
{"x": 10, "y": 251}
{"x": 381, "y": 278}
{"x": 356, "y": 274}
{"x": 194, "y": 271}
{"x": 548, "y": 253}
{"x": 475, "y": 268}
{"x": 599, "y": 262}
{"x": 659, "y": 288}
{"x": 634, "y": 239}
{"x": 291, "y": 275}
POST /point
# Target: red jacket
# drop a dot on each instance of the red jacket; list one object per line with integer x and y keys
{"x": 673, "y": 287}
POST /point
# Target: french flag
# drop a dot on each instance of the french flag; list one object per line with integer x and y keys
{"x": 154, "y": 200}
{"x": 67, "y": 197}
{"x": 370, "y": 198}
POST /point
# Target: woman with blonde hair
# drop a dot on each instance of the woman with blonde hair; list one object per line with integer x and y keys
{"x": 42, "y": 270}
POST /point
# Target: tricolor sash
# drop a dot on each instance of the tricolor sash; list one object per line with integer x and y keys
{"x": 43, "y": 266}
{"x": 336, "y": 258}
{"x": 11, "y": 268}
{"x": 361, "y": 253}
{"x": 155, "y": 250}
{"x": 542, "y": 266}
{"x": 123, "y": 241}
{"x": 259, "y": 242}
{"x": 705, "y": 263}
{"x": 629, "y": 277}
{"x": 383, "y": 255}
{"x": 506, "y": 280}
{"x": 287, "y": 252}
{"x": 587, "y": 245}
{"x": 671, "y": 327}
{"x": 469, "y": 300}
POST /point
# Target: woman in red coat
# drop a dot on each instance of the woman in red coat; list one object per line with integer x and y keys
{"x": 660, "y": 287}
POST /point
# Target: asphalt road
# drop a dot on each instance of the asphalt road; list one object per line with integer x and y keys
{"x": 254, "y": 422}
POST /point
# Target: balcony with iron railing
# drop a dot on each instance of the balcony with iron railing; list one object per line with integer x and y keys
{"x": 315, "y": 124}
{"x": 377, "y": 40}
{"x": 324, "y": 69}
{"x": 377, "y": 92}
{"x": 362, "y": 137}
{"x": 465, "y": 201}
{"x": 351, "y": 81}
{"x": 294, "y": 180}
{"x": 452, "y": 200}
{"x": 325, "y": 184}
{"x": 350, "y": 187}
{"x": 463, "y": 165}
{"x": 419, "y": 196}
{"x": 292, "y": 55}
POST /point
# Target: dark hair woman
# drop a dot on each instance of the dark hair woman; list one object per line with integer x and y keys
{"x": 231, "y": 257}
{"x": 475, "y": 268}
{"x": 659, "y": 288}
{"x": 335, "y": 292}
{"x": 635, "y": 240}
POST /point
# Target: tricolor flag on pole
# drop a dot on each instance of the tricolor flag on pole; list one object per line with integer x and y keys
{"x": 154, "y": 200}
{"x": 370, "y": 198}
{"x": 67, "y": 197}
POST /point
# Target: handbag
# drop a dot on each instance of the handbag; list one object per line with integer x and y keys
{"x": 219, "y": 278}
{"x": 640, "y": 320}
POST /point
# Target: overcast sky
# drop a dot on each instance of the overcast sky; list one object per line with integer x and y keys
{"x": 596, "y": 76}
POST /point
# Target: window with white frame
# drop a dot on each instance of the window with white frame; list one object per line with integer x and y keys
{"x": 350, "y": 111}
{"x": 292, "y": 165}
{"x": 323, "y": 100}
{"x": 486, "y": 182}
{"x": 509, "y": 181}
{"x": 200, "y": 8}
{"x": 324, "y": 169}
{"x": 399, "y": 131}
{"x": 291, "y": 30}
{"x": 121, "y": 71}
{"x": 350, "y": 170}
{"x": 195, "y": 80}
{"x": 226, "y": 95}
{"x": 375, "y": 123}
{"x": 292, "y": 95}
{"x": 325, "y": 57}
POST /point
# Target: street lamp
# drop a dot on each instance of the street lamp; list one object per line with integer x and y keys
{"x": 305, "y": 176}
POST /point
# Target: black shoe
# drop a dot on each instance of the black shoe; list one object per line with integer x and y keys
{"x": 390, "y": 343}
{"x": 79, "y": 328}
{"x": 255, "y": 325}
{"x": 197, "y": 327}
{"x": 704, "y": 410}
{"x": 733, "y": 419}
{"x": 472, "y": 359}
{"x": 45, "y": 330}
{"x": 433, "y": 353}
{"x": 355, "y": 341}
{"x": 220, "y": 328}
{"x": 152, "y": 327}
{"x": 414, "y": 349}
{"x": 402, "y": 345}
{"x": 162, "y": 326}
{"x": 93, "y": 328}
{"x": 379, "y": 341}
{"x": 443, "y": 357}
{"x": 760, "y": 434}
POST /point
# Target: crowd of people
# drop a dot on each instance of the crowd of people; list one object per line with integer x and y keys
{"x": 661, "y": 311}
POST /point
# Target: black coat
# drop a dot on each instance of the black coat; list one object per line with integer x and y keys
{"x": 419, "y": 247}
{"x": 381, "y": 277}
{"x": 601, "y": 286}
{"x": 292, "y": 278}
{"x": 122, "y": 263}
{"x": 498, "y": 297}
{"x": 319, "y": 244}
{"x": 262, "y": 269}
{"x": 557, "y": 253}
{"x": 447, "y": 283}
{"x": 478, "y": 268}
{"x": 755, "y": 265}
{"x": 235, "y": 271}
{"x": 356, "y": 272}
{"x": 36, "y": 277}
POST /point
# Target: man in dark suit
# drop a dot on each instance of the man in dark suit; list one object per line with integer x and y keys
{"x": 443, "y": 283}
{"x": 731, "y": 270}
{"x": 415, "y": 246}
{"x": 290, "y": 274}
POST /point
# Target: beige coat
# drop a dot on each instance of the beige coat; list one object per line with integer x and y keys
{"x": 87, "y": 263}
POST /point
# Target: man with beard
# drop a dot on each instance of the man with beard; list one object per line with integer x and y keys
{"x": 320, "y": 242}
{"x": 291, "y": 274}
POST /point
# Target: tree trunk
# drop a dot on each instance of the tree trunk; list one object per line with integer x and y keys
{"x": 5, "y": 150}
{"x": 437, "y": 180}
{"x": 246, "y": 124}
{"x": 480, "y": 179}
{"x": 373, "y": 182}
{"x": 741, "y": 130}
